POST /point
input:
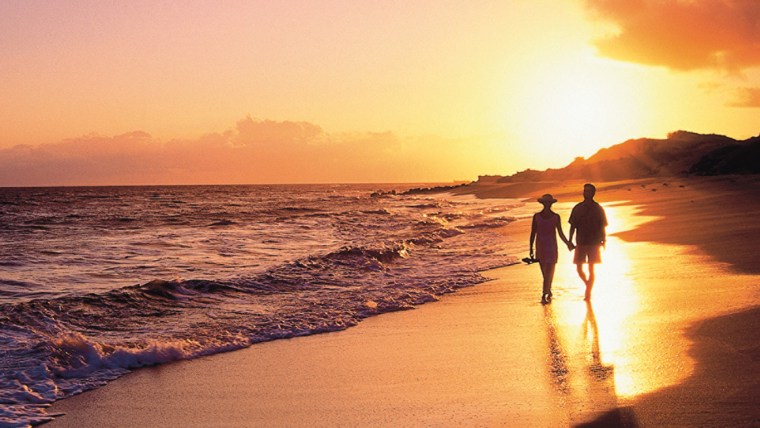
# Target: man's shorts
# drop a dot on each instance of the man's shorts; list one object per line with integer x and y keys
{"x": 587, "y": 254}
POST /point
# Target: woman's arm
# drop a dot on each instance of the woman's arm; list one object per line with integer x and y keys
{"x": 562, "y": 234}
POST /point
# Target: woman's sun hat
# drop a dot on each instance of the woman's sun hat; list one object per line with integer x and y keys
{"x": 547, "y": 199}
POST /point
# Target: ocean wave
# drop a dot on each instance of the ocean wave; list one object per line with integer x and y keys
{"x": 6, "y": 284}
{"x": 491, "y": 222}
{"x": 382, "y": 255}
{"x": 63, "y": 346}
{"x": 436, "y": 236}
{"x": 326, "y": 266}
{"x": 448, "y": 216}
{"x": 222, "y": 223}
{"x": 299, "y": 209}
{"x": 427, "y": 205}
{"x": 380, "y": 211}
{"x": 32, "y": 227}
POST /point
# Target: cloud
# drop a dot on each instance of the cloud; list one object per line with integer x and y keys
{"x": 267, "y": 132}
{"x": 253, "y": 151}
{"x": 682, "y": 34}
{"x": 746, "y": 97}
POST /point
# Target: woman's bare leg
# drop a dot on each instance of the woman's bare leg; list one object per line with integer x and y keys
{"x": 547, "y": 270}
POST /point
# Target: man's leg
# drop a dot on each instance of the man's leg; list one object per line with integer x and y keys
{"x": 581, "y": 273}
{"x": 594, "y": 256}
{"x": 590, "y": 282}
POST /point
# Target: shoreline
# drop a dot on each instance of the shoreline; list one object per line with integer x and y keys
{"x": 453, "y": 361}
{"x": 684, "y": 201}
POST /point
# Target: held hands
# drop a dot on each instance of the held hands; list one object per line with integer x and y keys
{"x": 570, "y": 246}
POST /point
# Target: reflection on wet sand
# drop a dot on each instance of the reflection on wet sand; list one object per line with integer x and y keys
{"x": 587, "y": 341}
{"x": 557, "y": 354}
{"x": 643, "y": 352}
{"x": 585, "y": 382}
{"x": 627, "y": 349}
{"x": 597, "y": 369}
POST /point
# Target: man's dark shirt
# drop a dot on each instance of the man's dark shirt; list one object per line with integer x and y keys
{"x": 589, "y": 219}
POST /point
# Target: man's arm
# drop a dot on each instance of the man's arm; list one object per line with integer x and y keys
{"x": 604, "y": 227}
{"x": 571, "y": 220}
{"x": 532, "y": 234}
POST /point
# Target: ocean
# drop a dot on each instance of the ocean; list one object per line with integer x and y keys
{"x": 98, "y": 281}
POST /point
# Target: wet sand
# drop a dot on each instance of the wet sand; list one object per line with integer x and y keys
{"x": 670, "y": 338}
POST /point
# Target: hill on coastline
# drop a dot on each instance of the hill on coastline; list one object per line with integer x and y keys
{"x": 681, "y": 153}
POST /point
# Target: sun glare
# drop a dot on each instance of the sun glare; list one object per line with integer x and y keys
{"x": 573, "y": 108}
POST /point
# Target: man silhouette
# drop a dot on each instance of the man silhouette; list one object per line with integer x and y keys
{"x": 589, "y": 220}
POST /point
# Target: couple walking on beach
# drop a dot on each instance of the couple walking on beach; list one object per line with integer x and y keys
{"x": 587, "y": 223}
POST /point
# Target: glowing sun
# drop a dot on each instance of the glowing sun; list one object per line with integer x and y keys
{"x": 574, "y": 108}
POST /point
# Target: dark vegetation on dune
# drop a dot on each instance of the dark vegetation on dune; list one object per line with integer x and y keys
{"x": 682, "y": 153}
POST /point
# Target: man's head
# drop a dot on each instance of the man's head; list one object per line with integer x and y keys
{"x": 589, "y": 190}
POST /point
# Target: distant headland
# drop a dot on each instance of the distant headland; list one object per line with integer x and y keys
{"x": 682, "y": 153}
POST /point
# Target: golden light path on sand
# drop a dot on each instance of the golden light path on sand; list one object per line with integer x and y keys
{"x": 615, "y": 299}
{"x": 594, "y": 346}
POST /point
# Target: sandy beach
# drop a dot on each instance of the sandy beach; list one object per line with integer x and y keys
{"x": 669, "y": 339}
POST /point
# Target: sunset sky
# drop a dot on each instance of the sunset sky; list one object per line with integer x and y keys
{"x": 164, "y": 92}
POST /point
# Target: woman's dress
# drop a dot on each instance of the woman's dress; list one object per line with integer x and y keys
{"x": 546, "y": 238}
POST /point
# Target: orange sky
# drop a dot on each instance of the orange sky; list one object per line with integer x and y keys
{"x": 158, "y": 92}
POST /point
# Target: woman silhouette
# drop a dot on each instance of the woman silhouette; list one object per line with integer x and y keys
{"x": 543, "y": 231}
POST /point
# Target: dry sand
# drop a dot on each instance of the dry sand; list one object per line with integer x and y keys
{"x": 670, "y": 339}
